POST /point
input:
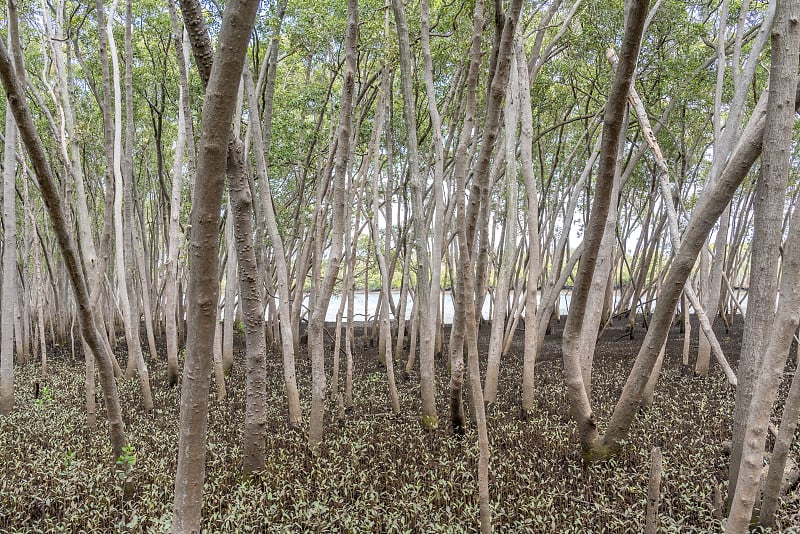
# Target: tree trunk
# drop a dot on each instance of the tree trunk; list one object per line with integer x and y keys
{"x": 171, "y": 296}
{"x": 229, "y": 315}
{"x": 255, "y": 418}
{"x": 123, "y": 171}
{"x": 460, "y": 171}
{"x": 40, "y": 330}
{"x": 279, "y": 257}
{"x": 532, "y": 344}
{"x": 426, "y": 324}
{"x": 220, "y": 99}
{"x": 613, "y": 125}
{"x": 781, "y": 332}
{"x": 508, "y": 261}
{"x": 316, "y": 322}
{"x": 219, "y": 367}
{"x": 471, "y": 257}
{"x": 53, "y": 203}
{"x": 653, "y": 492}
{"x": 9, "y": 293}
{"x": 765, "y": 331}
{"x": 770, "y": 196}
{"x": 385, "y": 325}
{"x": 774, "y": 484}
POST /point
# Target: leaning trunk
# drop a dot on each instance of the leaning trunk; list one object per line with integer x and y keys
{"x": 613, "y": 125}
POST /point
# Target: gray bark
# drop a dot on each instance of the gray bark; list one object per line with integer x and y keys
{"x": 279, "y": 257}
{"x": 768, "y": 202}
{"x": 173, "y": 240}
{"x": 430, "y": 418}
{"x": 653, "y": 491}
{"x": 774, "y": 484}
{"x": 509, "y": 256}
{"x": 316, "y": 321}
{"x": 762, "y": 344}
{"x": 123, "y": 170}
{"x": 614, "y": 112}
{"x": 255, "y": 418}
{"x": 9, "y": 267}
{"x": 53, "y": 202}
{"x": 229, "y": 306}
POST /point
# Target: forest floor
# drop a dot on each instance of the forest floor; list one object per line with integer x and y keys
{"x": 377, "y": 472}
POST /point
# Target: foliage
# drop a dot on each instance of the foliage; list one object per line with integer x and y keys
{"x": 375, "y": 472}
{"x": 45, "y": 397}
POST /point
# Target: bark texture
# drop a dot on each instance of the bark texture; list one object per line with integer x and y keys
{"x": 612, "y": 126}
{"x": 9, "y": 296}
{"x": 770, "y": 195}
{"x": 55, "y": 209}
{"x": 203, "y": 290}
{"x": 255, "y": 417}
{"x": 768, "y": 333}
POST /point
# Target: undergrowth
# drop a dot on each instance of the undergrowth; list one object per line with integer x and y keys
{"x": 375, "y": 472}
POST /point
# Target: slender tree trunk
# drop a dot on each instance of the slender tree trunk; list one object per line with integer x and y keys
{"x": 438, "y": 209}
{"x": 724, "y": 143}
{"x": 281, "y": 264}
{"x": 460, "y": 171}
{"x": 19, "y": 328}
{"x": 385, "y": 325}
{"x": 123, "y": 171}
{"x": 780, "y": 334}
{"x": 316, "y": 322}
{"x": 90, "y": 387}
{"x": 508, "y": 261}
{"x": 687, "y": 329}
{"x": 53, "y": 203}
{"x": 471, "y": 257}
{"x": 218, "y": 107}
{"x": 229, "y": 315}
{"x": 145, "y": 280}
{"x": 337, "y": 336}
{"x": 593, "y": 309}
{"x": 426, "y": 324}
{"x": 40, "y": 329}
{"x": 768, "y": 205}
{"x": 171, "y": 296}
{"x": 653, "y": 491}
{"x": 710, "y": 281}
{"x": 255, "y": 418}
{"x": 219, "y": 367}
{"x": 93, "y": 260}
{"x": 614, "y": 112}
{"x": 532, "y": 343}
{"x": 9, "y": 296}
{"x": 765, "y": 336}
{"x": 780, "y": 452}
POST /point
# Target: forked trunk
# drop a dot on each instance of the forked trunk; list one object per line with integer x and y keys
{"x": 613, "y": 125}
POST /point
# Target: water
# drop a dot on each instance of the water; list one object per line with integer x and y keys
{"x": 360, "y": 310}
{"x": 367, "y": 306}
